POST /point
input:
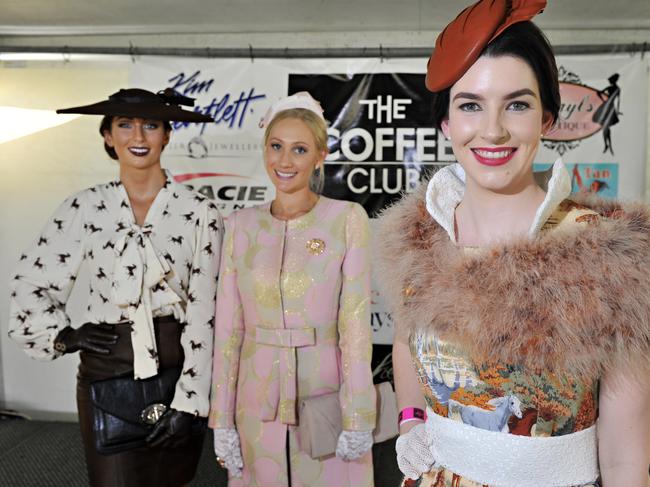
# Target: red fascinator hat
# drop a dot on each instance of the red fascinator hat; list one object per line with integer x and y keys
{"x": 463, "y": 40}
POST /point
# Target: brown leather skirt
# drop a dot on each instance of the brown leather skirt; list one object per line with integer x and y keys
{"x": 141, "y": 467}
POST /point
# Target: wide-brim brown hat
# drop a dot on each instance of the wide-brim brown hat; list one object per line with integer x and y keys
{"x": 134, "y": 102}
{"x": 461, "y": 43}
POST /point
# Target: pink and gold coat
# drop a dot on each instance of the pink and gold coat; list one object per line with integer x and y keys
{"x": 293, "y": 321}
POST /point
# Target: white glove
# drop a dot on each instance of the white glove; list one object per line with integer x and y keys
{"x": 414, "y": 456}
{"x": 353, "y": 444}
{"x": 228, "y": 451}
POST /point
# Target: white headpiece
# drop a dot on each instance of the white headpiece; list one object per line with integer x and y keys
{"x": 302, "y": 99}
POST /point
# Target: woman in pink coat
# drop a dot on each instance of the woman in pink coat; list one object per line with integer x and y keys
{"x": 293, "y": 318}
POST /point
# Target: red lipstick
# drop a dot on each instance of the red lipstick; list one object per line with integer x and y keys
{"x": 494, "y": 156}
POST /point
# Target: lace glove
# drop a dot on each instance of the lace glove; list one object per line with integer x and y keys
{"x": 228, "y": 451}
{"x": 352, "y": 445}
{"x": 89, "y": 337}
{"x": 414, "y": 456}
{"x": 172, "y": 429}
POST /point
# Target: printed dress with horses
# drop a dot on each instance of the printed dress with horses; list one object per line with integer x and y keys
{"x": 497, "y": 397}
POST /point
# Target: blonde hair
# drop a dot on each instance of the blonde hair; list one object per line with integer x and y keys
{"x": 317, "y": 127}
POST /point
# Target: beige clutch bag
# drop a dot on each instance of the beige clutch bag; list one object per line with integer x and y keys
{"x": 320, "y": 421}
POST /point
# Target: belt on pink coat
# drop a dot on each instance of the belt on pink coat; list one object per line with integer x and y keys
{"x": 286, "y": 337}
{"x": 284, "y": 370}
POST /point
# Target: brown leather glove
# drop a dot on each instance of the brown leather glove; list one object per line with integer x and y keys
{"x": 172, "y": 429}
{"x": 89, "y": 337}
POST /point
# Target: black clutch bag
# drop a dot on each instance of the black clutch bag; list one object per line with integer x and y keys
{"x": 125, "y": 410}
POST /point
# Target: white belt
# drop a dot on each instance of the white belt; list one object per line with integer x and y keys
{"x": 504, "y": 460}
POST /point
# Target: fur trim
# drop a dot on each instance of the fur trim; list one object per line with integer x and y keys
{"x": 574, "y": 300}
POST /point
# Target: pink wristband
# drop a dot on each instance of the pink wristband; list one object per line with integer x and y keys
{"x": 410, "y": 414}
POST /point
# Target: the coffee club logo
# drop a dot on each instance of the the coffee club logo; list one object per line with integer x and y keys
{"x": 584, "y": 111}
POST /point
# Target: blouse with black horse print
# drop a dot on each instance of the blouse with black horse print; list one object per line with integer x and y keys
{"x": 167, "y": 266}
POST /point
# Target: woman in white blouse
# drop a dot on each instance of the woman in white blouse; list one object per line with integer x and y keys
{"x": 152, "y": 248}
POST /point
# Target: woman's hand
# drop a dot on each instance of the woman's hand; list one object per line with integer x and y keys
{"x": 228, "y": 450}
{"x": 414, "y": 455}
{"x": 172, "y": 429}
{"x": 89, "y": 337}
{"x": 352, "y": 445}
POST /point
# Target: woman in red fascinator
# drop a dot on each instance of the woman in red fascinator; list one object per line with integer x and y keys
{"x": 522, "y": 315}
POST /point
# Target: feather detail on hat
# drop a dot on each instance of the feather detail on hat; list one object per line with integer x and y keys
{"x": 461, "y": 43}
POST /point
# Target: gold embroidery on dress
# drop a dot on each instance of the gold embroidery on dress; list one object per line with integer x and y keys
{"x": 296, "y": 284}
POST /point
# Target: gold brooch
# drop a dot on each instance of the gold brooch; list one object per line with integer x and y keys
{"x": 316, "y": 246}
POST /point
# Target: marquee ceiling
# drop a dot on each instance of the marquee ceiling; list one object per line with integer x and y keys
{"x": 48, "y": 17}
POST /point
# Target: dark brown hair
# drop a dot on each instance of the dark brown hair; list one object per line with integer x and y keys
{"x": 527, "y": 42}
{"x": 105, "y": 126}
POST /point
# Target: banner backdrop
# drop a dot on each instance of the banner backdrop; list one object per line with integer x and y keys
{"x": 381, "y": 137}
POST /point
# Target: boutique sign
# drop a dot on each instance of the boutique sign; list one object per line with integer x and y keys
{"x": 576, "y": 120}
{"x": 584, "y": 111}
